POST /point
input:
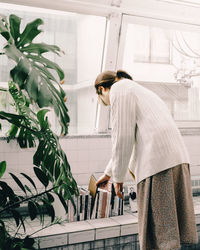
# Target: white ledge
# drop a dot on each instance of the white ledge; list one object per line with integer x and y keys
{"x": 91, "y": 230}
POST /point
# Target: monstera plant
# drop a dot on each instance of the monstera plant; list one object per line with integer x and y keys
{"x": 34, "y": 86}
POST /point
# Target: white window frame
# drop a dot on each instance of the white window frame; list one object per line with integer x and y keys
{"x": 109, "y": 63}
{"x": 117, "y": 20}
{"x": 162, "y": 23}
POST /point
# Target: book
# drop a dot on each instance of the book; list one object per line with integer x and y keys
{"x": 92, "y": 186}
{"x": 71, "y": 210}
{"x": 105, "y": 191}
{"x": 95, "y": 202}
{"x": 94, "y": 209}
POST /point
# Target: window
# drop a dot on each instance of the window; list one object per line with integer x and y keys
{"x": 149, "y": 44}
{"x": 81, "y": 37}
{"x": 165, "y": 58}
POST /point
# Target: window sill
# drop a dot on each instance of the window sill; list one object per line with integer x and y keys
{"x": 184, "y": 131}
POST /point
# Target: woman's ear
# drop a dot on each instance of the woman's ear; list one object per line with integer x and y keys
{"x": 101, "y": 88}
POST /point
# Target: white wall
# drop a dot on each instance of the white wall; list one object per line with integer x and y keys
{"x": 86, "y": 156}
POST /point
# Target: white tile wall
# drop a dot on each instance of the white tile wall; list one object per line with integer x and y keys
{"x": 86, "y": 156}
{"x": 105, "y": 228}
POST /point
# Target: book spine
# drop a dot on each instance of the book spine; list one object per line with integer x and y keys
{"x": 78, "y": 208}
{"x": 94, "y": 210}
{"x": 99, "y": 209}
{"x": 104, "y": 204}
{"x": 108, "y": 205}
{"x": 71, "y": 212}
{"x": 86, "y": 217}
{"x": 116, "y": 206}
{"x": 97, "y": 206}
{"x": 82, "y": 212}
{"x": 119, "y": 206}
{"x": 90, "y": 206}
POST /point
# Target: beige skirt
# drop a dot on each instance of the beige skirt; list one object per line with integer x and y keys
{"x": 165, "y": 210}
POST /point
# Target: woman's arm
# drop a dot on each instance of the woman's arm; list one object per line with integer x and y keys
{"x": 123, "y": 120}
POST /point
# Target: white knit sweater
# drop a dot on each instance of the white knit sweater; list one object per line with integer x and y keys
{"x": 145, "y": 138}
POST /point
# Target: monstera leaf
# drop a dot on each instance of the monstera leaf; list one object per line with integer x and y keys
{"x": 49, "y": 157}
{"x": 33, "y": 72}
{"x": 24, "y": 137}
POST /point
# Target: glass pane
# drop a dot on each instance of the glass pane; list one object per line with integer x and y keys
{"x": 81, "y": 37}
{"x": 173, "y": 71}
{"x": 159, "y": 46}
{"x": 138, "y": 41}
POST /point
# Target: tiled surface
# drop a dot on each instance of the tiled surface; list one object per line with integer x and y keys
{"x": 81, "y": 236}
{"x": 128, "y": 224}
{"x": 100, "y": 229}
{"x": 105, "y": 228}
{"x": 52, "y": 241}
{"x": 86, "y": 155}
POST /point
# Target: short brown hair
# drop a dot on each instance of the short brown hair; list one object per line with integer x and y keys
{"x": 108, "y": 78}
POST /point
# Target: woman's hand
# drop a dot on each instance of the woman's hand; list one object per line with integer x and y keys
{"x": 118, "y": 190}
{"x": 103, "y": 179}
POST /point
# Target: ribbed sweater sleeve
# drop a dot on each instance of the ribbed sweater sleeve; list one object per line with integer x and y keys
{"x": 123, "y": 121}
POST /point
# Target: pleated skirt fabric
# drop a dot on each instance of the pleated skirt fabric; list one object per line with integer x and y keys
{"x": 165, "y": 210}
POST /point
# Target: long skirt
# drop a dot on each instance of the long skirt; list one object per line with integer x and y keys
{"x": 165, "y": 210}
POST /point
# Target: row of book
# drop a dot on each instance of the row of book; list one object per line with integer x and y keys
{"x": 95, "y": 202}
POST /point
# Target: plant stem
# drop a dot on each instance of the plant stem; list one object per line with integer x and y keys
{"x": 27, "y": 199}
{"x": 54, "y": 223}
{"x": 17, "y": 229}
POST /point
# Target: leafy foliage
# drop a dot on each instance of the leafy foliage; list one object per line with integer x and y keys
{"x": 38, "y": 204}
{"x": 2, "y": 168}
{"x": 35, "y": 82}
{"x": 33, "y": 71}
{"x": 49, "y": 155}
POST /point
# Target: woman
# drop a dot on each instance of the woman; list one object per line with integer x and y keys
{"x": 146, "y": 141}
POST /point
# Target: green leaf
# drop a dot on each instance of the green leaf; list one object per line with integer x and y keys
{"x": 3, "y": 198}
{"x": 50, "y": 198}
{"x": 32, "y": 210}
{"x": 51, "y": 212}
{"x": 13, "y": 53}
{"x": 40, "y": 48}
{"x": 41, "y": 176}
{"x": 25, "y": 137}
{"x": 21, "y": 72}
{"x": 30, "y": 32}
{"x": 7, "y": 190}
{"x": 13, "y": 131}
{"x": 28, "y": 242}
{"x": 63, "y": 202}
{"x": 28, "y": 189}
{"x": 41, "y": 212}
{"x": 2, "y": 168}
{"x": 3, "y": 27}
{"x": 16, "y": 179}
{"x": 16, "y": 216}
{"x": 40, "y": 115}
{"x": 29, "y": 179}
{"x": 49, "y": 64}
{"x": 50, "y": 209}
{"x": 33, "y": 71}
{"x": 15, "y": 22}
